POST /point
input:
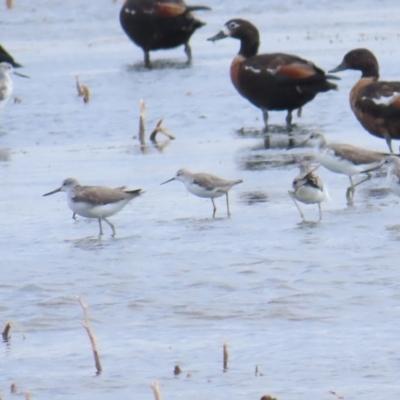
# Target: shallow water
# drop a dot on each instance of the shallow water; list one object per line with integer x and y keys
{"x": 314, "y": 306}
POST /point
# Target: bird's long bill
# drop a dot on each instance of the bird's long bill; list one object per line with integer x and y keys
{"x": 373, "y": 168}
{"x": 52, "y": 192}
{"x": 220, "y": 35}
{"x": 293, "y": 146}
{"x": 169, "y": 180}
{"x": 341, "y": 67}
{"x": 19, "y": 74}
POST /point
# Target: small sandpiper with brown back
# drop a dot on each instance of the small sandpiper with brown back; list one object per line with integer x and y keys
{"x": 343, "y": 159}
{"x": 205, "y": 185}
{"x": 95, "y": 201}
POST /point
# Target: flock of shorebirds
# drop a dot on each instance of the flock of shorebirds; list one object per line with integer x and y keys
{"x": 271, "y": 82}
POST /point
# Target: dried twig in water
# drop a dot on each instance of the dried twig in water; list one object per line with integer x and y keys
{"x": 160, "y": 129}
{"x": 177, "y": 370}
{"x": 83, "y": 90}
{"x": 226, "y": 356}
{"x": 337, "y": 395}
{"x": 256, "y": 371}
{"x": 9, "y": 4}
{"x": 6, "y": 332}
{"x": 27, "y": 395}
{"x": 156, "y": 390}
{"x": 91, "y": 336}
{"x": 142, "y": 123}
{"x": 13, "y": 388}
{"x": 78, "y": 86}
{"x": 17, "y": 100}
{"x": 86, "y": 93}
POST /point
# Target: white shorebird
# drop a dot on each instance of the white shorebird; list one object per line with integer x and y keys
{"x": 6, "y": 84}
{"x": 392, "y": 163}
{"x": 344, "y": 159}
{"x": 205, "y": 185}
{"x": 308, "y": 188}
{"x": 95, "y": 201}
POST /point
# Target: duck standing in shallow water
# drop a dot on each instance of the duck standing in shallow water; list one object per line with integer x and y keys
{"x": 376, "y": 104}
{"x": 273, "y": 81}
{"x": 160, "y": 24}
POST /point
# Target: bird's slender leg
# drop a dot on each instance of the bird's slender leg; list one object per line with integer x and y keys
{"x": 147, "y": 62}
{"x": 265, "y": 118}
{"x": 289, "y": 119}
{"x": 227, "y": 204}
{"x": 214, "y": 208}
{"x": 351, "y": 190}
{"x": 320, "y": 211}
{"x": 101, "y": 228}
{"x": 292, "y": 195}
{"x": 388, "y": 141}
{"x": 111, "y": 225}
{"x": 299, "y": 111}
{"x": 267, "y": 139}
{"x": 188, "y": 52}
{"x": 74, "y": 216}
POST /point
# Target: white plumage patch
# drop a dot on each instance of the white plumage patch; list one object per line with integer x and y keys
{"x": 384, "y": 100}
{"x": 252, "y": 69}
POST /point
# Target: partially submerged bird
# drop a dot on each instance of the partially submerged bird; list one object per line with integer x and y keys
{"x": 95, "y": 201}
{"x": 6, "y": 84}
{"x": 205, "y": 185}
{"x": 308, "y": 188}
{"x": 376, "y": 104}
{"x": 343, "y": 159}
{"x": 271, "y": 82}
{"x": 160, "y": 24}
{"x": 6, "y": 57}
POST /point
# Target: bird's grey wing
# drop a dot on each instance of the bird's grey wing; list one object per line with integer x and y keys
{"x": 98, "y": 195}
{"x": 357, "y": 155}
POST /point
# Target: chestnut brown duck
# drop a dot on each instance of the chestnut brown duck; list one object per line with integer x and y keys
{"x": 376, "y": 104}
{"x": 6, "y": 57}
{"x": 275, "y": 81}
{"x": 160, "y": 24}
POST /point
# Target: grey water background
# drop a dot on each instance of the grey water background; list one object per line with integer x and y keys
{"x": 314, "y": 306}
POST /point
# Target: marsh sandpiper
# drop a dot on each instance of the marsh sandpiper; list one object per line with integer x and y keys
{"x": 95, "y": 201}
{"x": 343, "y": 159}
{"x": 205, "y": 185}
{"x": 308, "y": 188}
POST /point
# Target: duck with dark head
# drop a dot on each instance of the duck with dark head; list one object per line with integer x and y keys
{"x": 160, "y": 24}
{"x": 275, "y": 81}
{"x": 375, "y": 103}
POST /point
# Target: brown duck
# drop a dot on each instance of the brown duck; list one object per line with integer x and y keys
{"x": 376, "y": 104}
{"x": 275, "y": 81}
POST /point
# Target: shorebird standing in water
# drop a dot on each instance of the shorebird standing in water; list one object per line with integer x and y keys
{"x": 95, "y": 201}
{"x": 6, "y": 84}
{"x": 344, "y": 159}
{"x": 308, "y": 188}
{"x": 205, "y": 185}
